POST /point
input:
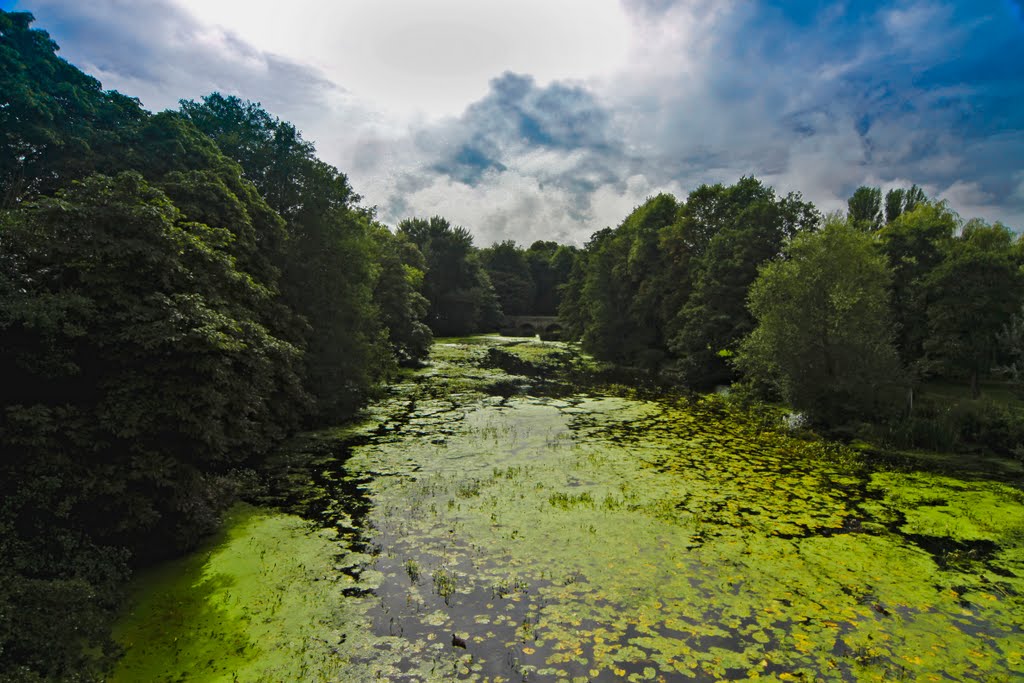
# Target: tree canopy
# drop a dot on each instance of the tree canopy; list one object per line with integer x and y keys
{"x": 823, "y": 337}
{"x": 461, "y": 297}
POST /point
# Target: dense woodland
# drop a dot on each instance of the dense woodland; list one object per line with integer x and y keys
{"x": 180, "y": 291}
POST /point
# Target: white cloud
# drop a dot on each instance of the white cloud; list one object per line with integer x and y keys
{"x": 408, "y": 56}
{"x": 612, "y": 103}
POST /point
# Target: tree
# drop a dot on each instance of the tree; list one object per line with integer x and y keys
{"x": 823, "y": 339}
{"x": 397, "y": 296}
{"x": 900, "y": 201}
{"x": 573, "y": 309}
{"x": 58, "y": 124}
{"x": 327, "y": 262}
{"x": 915, "y": 243}
{"x": 715, "y": 317}
{"x": 509, "y": 271}
{"x": 865, "y": 208}
{"x": 462, "y": 298}
{"x": 550, "y": 265}
{"x": 970, "y": 297}
{"x": 620, "y": 299}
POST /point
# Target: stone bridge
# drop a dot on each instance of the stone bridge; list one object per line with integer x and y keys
{"x": 547, "y": 326}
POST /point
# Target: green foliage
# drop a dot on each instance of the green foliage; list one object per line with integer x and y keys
{"x": 328, "y": 263}
{"x": 899, "y": 201}
{"x": 753, "y": 227}
{"x": 397, "y": 296}
{"x": 914, "y": 243}
{"x": 462, "y": 298}
{"x": 823, "y": 339}
{"x": 528, "y": 281}
{"x": 667, "y": 289}
{"x": 58, "y": 124}
{"x": 940, "y": 424}
{"x": 509, "y": 271}
{"x": 971, "y": 296}
{"x": 620, "y": 303}
{"x": 1011, "y": 347}
{"x": 550, "y": 265}
{"x": 865, "y": 208}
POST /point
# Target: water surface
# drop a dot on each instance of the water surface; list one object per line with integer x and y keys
{"x": 571, "y": 535}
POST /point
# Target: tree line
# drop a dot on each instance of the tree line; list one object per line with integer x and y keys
{"x": 842, "y": 317}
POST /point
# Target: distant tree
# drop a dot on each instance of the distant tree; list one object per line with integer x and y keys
{"x": 913, "y": 197}
{"x": 899, "y": 201}
{"x": 971, "y": 296}
{"x": 915, "y": 243}
{"x": 509, "y": 271}
{"x": 865, "y": 208}
{"x": 550, "y": 264}
{"x": 462, "y": 298}
{"x": 893, "y": 204}
{"x": 823, "y": 339}
{"x": 403, "y": 308}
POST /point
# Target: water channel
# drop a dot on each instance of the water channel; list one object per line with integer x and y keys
{"x": 497, "y": 517}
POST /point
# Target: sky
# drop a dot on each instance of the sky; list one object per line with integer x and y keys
{"x": 552, "y": 119}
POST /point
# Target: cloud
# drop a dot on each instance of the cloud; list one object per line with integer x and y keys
{"x": 160, "y": 53}
{"x": 809, "y": 97}
{"x": 817, "y": 96}
{"x": 515, "y": 118}
{"x": 823, "y": 99}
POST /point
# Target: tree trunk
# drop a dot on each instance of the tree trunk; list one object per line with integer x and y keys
{"x": 975, "y": 389}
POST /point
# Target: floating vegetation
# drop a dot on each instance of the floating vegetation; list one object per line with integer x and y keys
{"x": 596, "y": 536}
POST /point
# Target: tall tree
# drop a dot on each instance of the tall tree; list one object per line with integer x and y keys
{"x": 327, "y": 265}
{"x": 865, "y": 208}
{"x": 970, "y": 297}
{"x": 58, "y": 124}
{"x": 915, "y": 243}
{"x": 622, "y": 301}
{"x": 823, "y": 339}
{"x": 899, "y": 201}
{"x": 462, "y": 298}
{"x": 715, "y": 316}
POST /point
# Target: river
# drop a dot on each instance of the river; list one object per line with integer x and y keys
{"x": 497, "y": 517}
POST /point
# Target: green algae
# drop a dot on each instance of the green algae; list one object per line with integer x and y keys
{"x": 601, "y": 537}
{"x": 257, "y": 605}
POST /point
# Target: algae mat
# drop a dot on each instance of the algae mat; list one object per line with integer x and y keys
{"x": 563, "y": 535}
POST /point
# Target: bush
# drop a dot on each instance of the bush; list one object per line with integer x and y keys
{"x": 981, "y": 423}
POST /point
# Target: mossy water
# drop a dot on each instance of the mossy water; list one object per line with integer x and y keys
{"x": 569, "y": 535}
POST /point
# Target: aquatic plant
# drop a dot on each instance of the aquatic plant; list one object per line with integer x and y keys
{"x": 604, "y": 537}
